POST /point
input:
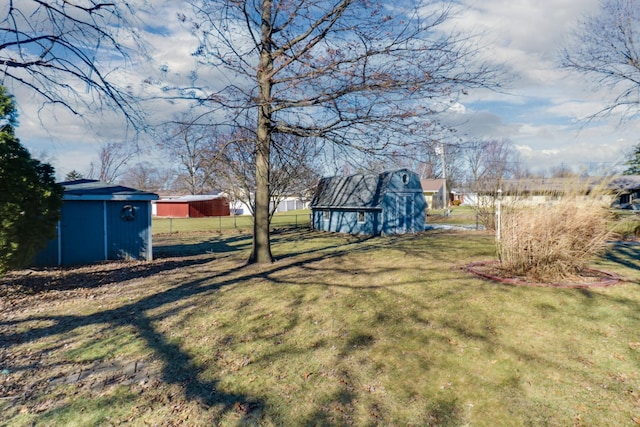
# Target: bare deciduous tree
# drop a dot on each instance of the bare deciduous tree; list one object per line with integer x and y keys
{"x": 489, "y": 163}
{"x": 188, "y": 142}
{"x": 562, "y": 171}
{"x": 65, "y": 51}
{"x": 146, "y": 176}
{"x": 112, "y": 158}
{"x": 606, "y": 48}
{"x": 357, "y": 74}
{"x": 292, "y": 167}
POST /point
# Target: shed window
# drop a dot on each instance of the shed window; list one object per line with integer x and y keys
{"x": 405, "y": 179}
{"x": 325, "y": 215}
{"x": 360, "y": 216}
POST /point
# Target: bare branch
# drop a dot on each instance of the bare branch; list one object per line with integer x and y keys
{"x": 64, "y": 51}
{"x": 606, "y": 48}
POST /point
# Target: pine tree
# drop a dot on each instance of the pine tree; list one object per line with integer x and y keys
{"x": 73, "y": 176}
{"x": 30, "y": 200}
{"x": 633, "y": 163}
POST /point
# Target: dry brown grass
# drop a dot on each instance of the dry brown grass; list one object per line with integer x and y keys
{"x": 554, "y": 241}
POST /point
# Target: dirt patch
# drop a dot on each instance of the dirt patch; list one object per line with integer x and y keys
{"x": 30, "y": 286}
{"x": 588, "y": 278}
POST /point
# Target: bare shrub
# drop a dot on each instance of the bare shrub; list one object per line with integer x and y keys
{"x": 555, "y": 240}
{"x": 486, "y": 211}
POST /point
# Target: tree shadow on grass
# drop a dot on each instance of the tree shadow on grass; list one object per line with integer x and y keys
{"x": 29, "y": 282}
{"x": 335, "y": 410}
{"x": 177, "y": 367}
{"x": 174, "y": 246}
{"x": 625, "y": 254}
{"x": 169, "y": 246}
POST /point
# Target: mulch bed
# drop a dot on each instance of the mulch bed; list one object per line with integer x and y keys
{"x": 588, "y": 278}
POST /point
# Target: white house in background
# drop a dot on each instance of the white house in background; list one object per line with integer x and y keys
{"x": 285, "y": 205}
{"x": 238, "y": 207}
{"x": 292, "y": 204}
{"x": 620, "y": 191}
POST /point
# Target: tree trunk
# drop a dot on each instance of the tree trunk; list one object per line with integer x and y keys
{"x": 261, "y": 252}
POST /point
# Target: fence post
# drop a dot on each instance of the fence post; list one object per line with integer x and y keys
{"x": 499, "y": 216}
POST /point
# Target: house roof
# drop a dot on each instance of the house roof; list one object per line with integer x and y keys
{"x": 549, "y": 185}
{"x": 431, "y": 185}
{"x": 90, "y": 189}
{"x": 354, "y": 191}
{"x": 626, "y": 183}
{"x": 191, "y": 198}
{"x": 561, "y": 185}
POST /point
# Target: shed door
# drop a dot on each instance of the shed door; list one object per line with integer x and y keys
{"x": 128, "y": 230}
{"x": 404, "y": 214}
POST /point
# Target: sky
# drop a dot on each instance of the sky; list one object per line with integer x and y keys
{"x": 543, "y": 112}
{"x": 540, "y": 113}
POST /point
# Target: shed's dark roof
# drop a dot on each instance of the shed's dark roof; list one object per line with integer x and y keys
{"x": 354, "y": 191}
{"x": 90, "y": 189}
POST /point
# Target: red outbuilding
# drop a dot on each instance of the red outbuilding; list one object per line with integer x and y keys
{"x": 192, "y": 206}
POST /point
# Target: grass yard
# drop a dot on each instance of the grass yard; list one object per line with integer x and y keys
{"x": 339, "y": 331}
{"x": 222, "y": 224}
{"x": 456, "y": 215}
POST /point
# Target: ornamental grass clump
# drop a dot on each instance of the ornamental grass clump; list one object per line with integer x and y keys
{"x": 556, "y": 240}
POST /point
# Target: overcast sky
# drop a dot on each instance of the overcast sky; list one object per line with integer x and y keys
{"x": 540, "y": 114}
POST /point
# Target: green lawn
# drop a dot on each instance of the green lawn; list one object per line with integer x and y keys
{"x": 338, "y": 331}
{"x": 459, "y": 215}
{"x": 456, "y": 215}
{"x": 221, "y": 224}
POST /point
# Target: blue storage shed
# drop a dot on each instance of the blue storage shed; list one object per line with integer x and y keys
{"x": 99, "y": 222}
{"x": 375, "y": 204}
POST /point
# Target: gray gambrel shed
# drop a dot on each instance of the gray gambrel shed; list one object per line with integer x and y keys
{"x": 376, "y": 204}
{"x": 99, "y": 222}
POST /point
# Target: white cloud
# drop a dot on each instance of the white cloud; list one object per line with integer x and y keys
{"x": 537, "y": 114}
{"x": 550, "y": 152}
{"x": 542, "y": 113}
{"x": 457, "y": 107}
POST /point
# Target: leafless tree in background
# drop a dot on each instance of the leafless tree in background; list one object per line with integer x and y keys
{"x": 489, "y": 163}
{"x": 606, "y": 48}
{"x": 292, "y": 166}
{"x": 147, "y": 177}
{"x": 359, "y": 75}
{"x": 112, "y": 159}
{"x": 425, "y": 158}
{"x": 188, "y": 142}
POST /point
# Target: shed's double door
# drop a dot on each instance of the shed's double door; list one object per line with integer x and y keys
{"x": 404, "y": 214}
